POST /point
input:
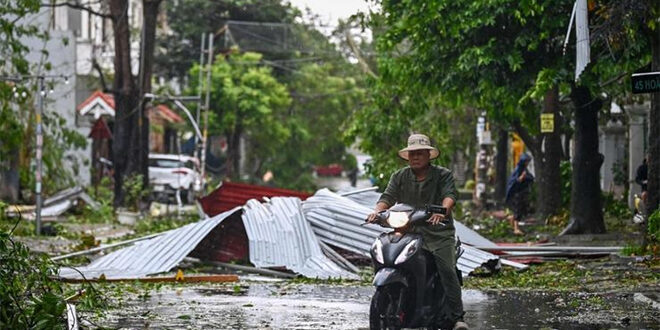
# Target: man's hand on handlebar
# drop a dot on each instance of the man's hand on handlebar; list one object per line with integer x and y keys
{"x": 372, "y": 217}
{"x": 437, "y": 219}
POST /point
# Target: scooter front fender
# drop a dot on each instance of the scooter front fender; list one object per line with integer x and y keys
{"x": 387, "y": 275}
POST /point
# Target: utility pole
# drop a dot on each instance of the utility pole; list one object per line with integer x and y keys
{"x": 198, "y": 141}
{"x": 207, "y": 104}
{"x": 39, "y": 152}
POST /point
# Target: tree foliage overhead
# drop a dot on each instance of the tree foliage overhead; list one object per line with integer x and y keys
{"x": 500, "y": 56}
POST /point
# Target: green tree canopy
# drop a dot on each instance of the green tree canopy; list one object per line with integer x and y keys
{"x": 246, "y": 100}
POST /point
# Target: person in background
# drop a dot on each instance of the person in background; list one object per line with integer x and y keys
{"x": 517, "y": 192}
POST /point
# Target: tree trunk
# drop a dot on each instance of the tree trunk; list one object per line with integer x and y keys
{"x": 547, "y": 151}
{"x": 150, "y": 15}
{"x": 234, "y": 153}
{"x": 549, "y": 177}
{"x": 586, "y": 203}
{"x": 653, "y": 198}
{"x": 125, "y": 97}
{"x": 501, "y": 158}
{"x": 131, "y": 130}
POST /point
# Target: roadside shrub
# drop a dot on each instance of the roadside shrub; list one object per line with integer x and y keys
{"x": 3, "y": 208}
{"x": 615, "y": 208}
{"x": 135, "y": 191}
{"x": 654, "y": 225}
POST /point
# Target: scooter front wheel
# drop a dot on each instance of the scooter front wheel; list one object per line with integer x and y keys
{"x": 385, "y": 312}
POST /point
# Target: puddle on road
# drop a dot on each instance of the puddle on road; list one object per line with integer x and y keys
{"x": 304, "y": 306}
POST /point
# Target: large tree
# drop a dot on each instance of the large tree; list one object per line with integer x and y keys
{"x": 485, "y": 55}
{"x": 246, "y": 100}
{"x": 620, "y": 45}
{"x": 506, "y": 57}
{"x": 131, "y": 130}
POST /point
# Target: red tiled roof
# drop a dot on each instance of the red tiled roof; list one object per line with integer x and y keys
{"x": 169, "y": 114}
{"x": 108, "y": 98}
{"x": 232, "y": 194}
{"x": 165, "y": 112}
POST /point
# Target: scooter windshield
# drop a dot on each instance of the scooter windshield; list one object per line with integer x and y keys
{"x": 398, "y": 219}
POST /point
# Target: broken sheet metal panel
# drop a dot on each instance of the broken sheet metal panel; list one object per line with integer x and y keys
{"x": 280, "y": 237}
{"x": 367, "y": 198}
{"x": 55, "y": 205}
{"x": 337, "y": 220}
{"x": 156, "y": 255}
{"x": 471, "y": 237}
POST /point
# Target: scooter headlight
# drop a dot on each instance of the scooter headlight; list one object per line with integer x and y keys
{"x": 407, "y": 251}
{"x": 398, "y": 219}
{"x": 377, "y": 251}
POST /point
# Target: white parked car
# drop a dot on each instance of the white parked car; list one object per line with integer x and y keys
{"x": 171, "y": 173}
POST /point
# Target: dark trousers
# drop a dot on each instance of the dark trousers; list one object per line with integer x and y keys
{"x": 445, "y": 261}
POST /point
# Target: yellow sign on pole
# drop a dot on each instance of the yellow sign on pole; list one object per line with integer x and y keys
{"x": 547, "y": 122}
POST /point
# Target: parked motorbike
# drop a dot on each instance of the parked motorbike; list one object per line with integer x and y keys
{"x": 406, "y": 280}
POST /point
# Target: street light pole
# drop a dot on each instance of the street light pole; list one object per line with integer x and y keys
{"x": 39, "y": 151}
{"x": 39, "y": 136}
{"x": 207, "y": 104}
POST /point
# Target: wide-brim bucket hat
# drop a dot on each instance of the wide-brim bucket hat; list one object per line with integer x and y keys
{"x": 419, "y": 142}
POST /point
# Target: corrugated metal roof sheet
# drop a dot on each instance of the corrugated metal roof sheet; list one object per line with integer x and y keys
{"x": 280, "y": 236}
{"x": 364, "y": 198}
{"x": 231, "y": 194}
{"x": 336, "y": 220}
{"x": 157, "y": 255}
{"x": 467, "y": 235}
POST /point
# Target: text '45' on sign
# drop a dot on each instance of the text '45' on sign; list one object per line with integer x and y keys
{"x": 646, "y": 82}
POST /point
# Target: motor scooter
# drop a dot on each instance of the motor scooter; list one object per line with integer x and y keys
{"x": 407, "y": 283}
{"x": 639, "y": 213}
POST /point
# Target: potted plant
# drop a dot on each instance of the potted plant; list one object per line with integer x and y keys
{"x": 134, "y": 192}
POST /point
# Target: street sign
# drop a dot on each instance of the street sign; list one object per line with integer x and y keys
{"x": 547, "y": 122}
{"x": 646, "y": 82}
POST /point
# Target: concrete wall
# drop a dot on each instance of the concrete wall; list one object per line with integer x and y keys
{"x": 612, "y": 144}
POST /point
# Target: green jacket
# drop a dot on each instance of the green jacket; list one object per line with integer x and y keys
{"x": 438, "y": 184}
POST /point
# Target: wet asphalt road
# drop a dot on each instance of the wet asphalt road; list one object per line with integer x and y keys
{"x": 283, "y": 305}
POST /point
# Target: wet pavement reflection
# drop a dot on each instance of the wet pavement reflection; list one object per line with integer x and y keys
{"x": 286, "y": 305}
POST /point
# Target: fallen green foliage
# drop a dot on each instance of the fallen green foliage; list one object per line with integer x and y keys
{"x": 500, "y": 230}
{"x": 566, "y": 275}
{"x": 30, "y": 299}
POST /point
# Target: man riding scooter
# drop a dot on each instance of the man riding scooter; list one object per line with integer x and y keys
{"x": 421, "y": 184}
